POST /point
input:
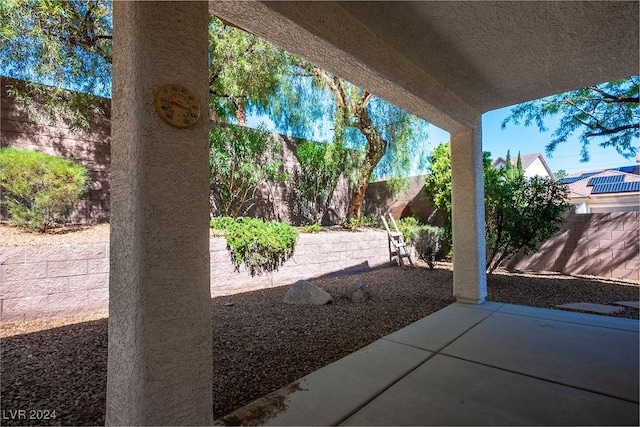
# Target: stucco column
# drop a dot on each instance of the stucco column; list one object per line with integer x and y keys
{"x": 160, "y": 344}
{"x": 467, "y": 182}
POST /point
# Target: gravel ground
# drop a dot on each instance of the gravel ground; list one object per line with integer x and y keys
{"x": 70, "y": 234}
{"x": 259, "y": 343}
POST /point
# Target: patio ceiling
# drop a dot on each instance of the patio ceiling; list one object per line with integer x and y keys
{"x": 449, "y": 61}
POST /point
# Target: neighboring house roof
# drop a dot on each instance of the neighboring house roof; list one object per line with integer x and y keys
{"x": 622, "y": 181}
{"x": 527, "y": 161}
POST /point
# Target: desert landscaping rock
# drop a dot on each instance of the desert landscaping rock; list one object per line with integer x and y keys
{"x": 305, "y": 293}
{"x": 591, "y": 308}
{"x": 360, "y": 292}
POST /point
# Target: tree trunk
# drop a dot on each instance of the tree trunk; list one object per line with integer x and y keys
{"x": 241, "y": 114}
{"x": 355, "y": 205}
{"x": 376, "y": 147}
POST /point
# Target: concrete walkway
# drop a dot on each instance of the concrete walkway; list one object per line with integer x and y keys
{"x": 489, "y": 364}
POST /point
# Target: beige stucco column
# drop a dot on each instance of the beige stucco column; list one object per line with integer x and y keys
{"x": 467, "y": 181}
{"x": 160, "y": 350}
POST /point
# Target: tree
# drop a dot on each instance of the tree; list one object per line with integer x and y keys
{"x": 607, "y": 113}
{"x": 437, "y": 186}
{"x": 519, "y": 212}
{"x": 560, "y": 174}
{"x": 63, "y": 42}
{"x": 68, "y": 43}
{"x": 246, "y": 71}
{"x": 387, "y": 136}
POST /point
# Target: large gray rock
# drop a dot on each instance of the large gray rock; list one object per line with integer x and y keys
{"x": 360, "y": 292}
{"x": 305, "y": 293}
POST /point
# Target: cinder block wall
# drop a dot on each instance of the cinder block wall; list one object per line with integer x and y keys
{"x": 598, "y": 244}
{"x": 411, "y": 202}
{"x": 58, "y": 281}
{"x": 91, "y": 149}
{"x": 53, "y": 281}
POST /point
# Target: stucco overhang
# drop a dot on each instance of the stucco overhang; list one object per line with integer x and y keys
{"x": 450, "y": 61}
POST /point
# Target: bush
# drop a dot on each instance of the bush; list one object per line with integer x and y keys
{"x": 241, "y": 161}
{"x": 427, "y": 240}
{"x": 406, "y": 226}
{"x": 354, "y": 222}
{"x": 315, "y": 181}
{"x": 259, "y": 245}
{"x": 39, "y": 188}
{"x": 311, "y": 228}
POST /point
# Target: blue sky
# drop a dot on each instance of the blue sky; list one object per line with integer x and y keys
{"x": 530, "y": 140}
{"x": 514, "y": 138}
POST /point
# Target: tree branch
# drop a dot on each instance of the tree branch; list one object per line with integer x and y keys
{"x": 607, "y": 97}
{"x": 617, "y": 129}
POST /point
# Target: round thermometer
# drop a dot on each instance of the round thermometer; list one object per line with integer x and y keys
{"x": 177, "y": 105}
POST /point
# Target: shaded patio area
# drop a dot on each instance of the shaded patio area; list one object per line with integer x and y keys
{"x": 488, "y": 364}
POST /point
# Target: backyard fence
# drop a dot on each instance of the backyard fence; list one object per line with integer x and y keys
{"x": 599, "y": 244}
{"x": 38, "y": 282}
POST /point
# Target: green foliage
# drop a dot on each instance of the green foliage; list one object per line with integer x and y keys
{"x": 606, "y": 113}
{"x": 320, "y": 169}
{"x": 427, "y": 240}
{"x": 261, "y": 246}
{"x": 520, "y": 213}
{"x": 240, "y": 161}
{"x": 39, "y": 188}
{"x": 387, "y": 137}
{"x": 219, "y": 224}
{"x": 63, "y": 42}
{"x": 396, "y": 185}
{"x": 245, "y": 71}
{"x": 355, "y": 222}
{"x": 437, "y": 186}
{"x": 69, "y": 43}
{"x": 407, "y": 226}
{"x": 311, "y": 228}
{"x": 560, "y": 174}
{"x": 370, "y": 221}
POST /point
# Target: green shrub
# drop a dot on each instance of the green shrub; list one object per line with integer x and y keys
{"x": 406, "y": 226}
{"x": 370, "y": 221}
{"x": 39, "y": 188}
{"x": 353, "y": 222}
{"x": 221, "y": 222}
{"x": 241, "y": 161}
{"x": 427, "y": 240}
{"x": 311, "y": 228}
{"x": 259, "y": 245}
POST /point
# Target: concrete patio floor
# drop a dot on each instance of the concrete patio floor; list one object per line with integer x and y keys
{"x": 488, "y": 364}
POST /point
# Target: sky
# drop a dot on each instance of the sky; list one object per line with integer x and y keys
{"x": 529, "y": 140}
{"x": 515, "y": 138}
